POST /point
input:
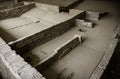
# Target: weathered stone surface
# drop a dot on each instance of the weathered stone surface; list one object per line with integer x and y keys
{"x": 10, "y": 55}
{"x": 14, "y": 12}
{"x": 60, "y": 52}
{"x": 12, "y": 66}
{"x": 4, "y": 49}
{"x": 6, "y": 71}
{"x": 45, "y": 35}
{"x": 97, "y": 73}
{"x": 17, "y": 63}
{"x": 8, "y": 5}
{"x": 82, "y": 23}
{"x": 48, "y": 7}
{"x": 30, "y": 72}
{"x": 92, "y": 16}
{"x": 2, "y": 42}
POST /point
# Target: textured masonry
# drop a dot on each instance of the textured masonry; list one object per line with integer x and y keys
{"x": 14, "y": 12}
{"x": 12, "y": 66}
{"x": 28, "y": 42}
{"x": 92, "y": 16}
{"x": 10, "y": 5}
{"x": 82, "y": 23}
{"x": 60, "y": 52}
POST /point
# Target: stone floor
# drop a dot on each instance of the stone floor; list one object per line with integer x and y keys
{"x": 84, "y": 58}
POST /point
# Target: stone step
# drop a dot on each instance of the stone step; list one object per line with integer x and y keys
{"x": 59, "y": 52}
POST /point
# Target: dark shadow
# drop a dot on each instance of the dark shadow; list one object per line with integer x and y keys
{"x": 6, "y": 36}
{"x": 103, "y": 14}
{"x": 54, "y": 74}
{"x": 1, "y": 76}
{"x": 113, "y": 69}
{"x": 30, "y": 58}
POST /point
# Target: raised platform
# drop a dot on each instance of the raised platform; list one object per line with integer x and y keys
{"x": 62, "y": 3}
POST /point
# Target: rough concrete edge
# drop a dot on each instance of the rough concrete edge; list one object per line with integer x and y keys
{"x": 83, "y": 23}
{"x": 16, "y": 69}
{"x": 5, "y": 62}
{"x": 55, "y": 55}
{"x": 97, "y": 73}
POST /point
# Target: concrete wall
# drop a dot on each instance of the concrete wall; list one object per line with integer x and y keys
{"x": 12, "y": 66}
{"x": 14, "y": 12}
{"x": 59, "y": 53}
{"x": 28, "y": 42}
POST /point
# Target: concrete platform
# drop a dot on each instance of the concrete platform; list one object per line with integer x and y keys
{"x": 65, "y": 3}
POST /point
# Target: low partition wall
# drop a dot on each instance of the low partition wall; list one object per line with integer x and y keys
{"x": 48, "y": 7}
{"x": 26, "y": 43}
{"x": 59, "y": 52}
{"x": 92, "y": 16}
{"x": 12, "y": 66}
{"x": 8, "y": 5}
{"x": 44, "y": 6}
{"x": 14, "y": 12}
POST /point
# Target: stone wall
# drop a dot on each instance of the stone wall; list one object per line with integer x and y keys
{"x": 12, "y": 66}
{"x": 83, "y": 23}
{"x": 59, "y": 53}
{"x": 14, "y": 12}
{"x": 26, "y": 43}
{"x": 48, "y": 7}
{"x": 8, "y": 5}
{"x": 66, "y": 8}
{"x": 92, "y": 16}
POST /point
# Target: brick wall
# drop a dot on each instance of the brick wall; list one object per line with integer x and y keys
{"x": 14, "y": 12}
{"x": 26, "y": 43}
{"x": 59, "y": 52}
{"x": 8, "y": 5}
{"x": 92, "y": 16}
{"x": 12, "y": 66}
